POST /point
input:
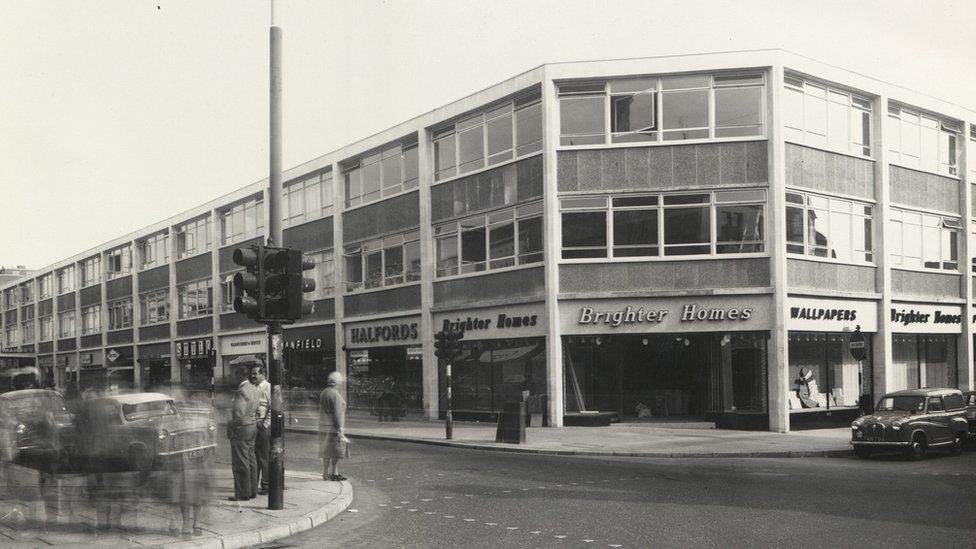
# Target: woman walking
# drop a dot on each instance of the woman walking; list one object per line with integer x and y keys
{"x": 332, "y": 417}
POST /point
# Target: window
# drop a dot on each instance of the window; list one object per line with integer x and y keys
{"x": 118, "y": 262}
{"x": 228, "y": 292}
{"x": 243, "y": 221}
{"x": 193, "y": 237}
{"x": 922, "y": 361}
{"x": 920, "y": 141}
{"x": 658, "y": 225}
{"x": 924, "y": 241}
{"x": 9, "y": 298}
{"x": 823, "y": 116}
{"x": 27, "y": 292}
{"x": 66, "y": 324}
{"x": 386, "y": 173}
{"x": 66, "y": 279}
{"x": 653, "y": 109}
{"x": 498, "y": 134}
{"x": 46, "y": 327}
{"x": 380, "y": 262}
{"x": 323, "y": 274}
{"x": 154, "y": 251}
{"x": 44, "y": 286}
{"x": 120, "y": 314}
{"x": 307, "y": 199}
{"x": 91, "y": 271}
{"x": 495, "y": 240}
{"x": 154, "y": 307}
{"x": 91, "y": 322}
{"x": 27, "y": 325}
{"x": 828, "y": 227}
{"x": 196, "y": 299}
{"x": 10, "y": 335}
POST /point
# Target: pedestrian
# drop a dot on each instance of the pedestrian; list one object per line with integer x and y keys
{"x": 243, "y": 432}
{"x": 262, "y": 443}
{"x": 332, "y": 418}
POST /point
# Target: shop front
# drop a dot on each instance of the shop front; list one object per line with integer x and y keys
{"x": 45, "y": 367}
{"x": 923, "y": 345}
{"x": 384, "y": 360}
{"x": 120, "y": 368}
{"x": 830, "y": 383}
{"x": 196, "y": 361}
{"x": 683, "y": 358}
{"x": 66, "y": 369}
{"x": 309, "y": 354}
{"x": 92, "y": 375}
{"x": 502, "y": 360}
{"x": 238, "y": 354}
{"x": 155, "y": 373}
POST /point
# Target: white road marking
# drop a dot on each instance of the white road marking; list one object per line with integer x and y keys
{"x": 353, "y": 510}
{"x": 404, "y": 502}
{"x": 506, "y": 491}
{"x": 448, "y": 516}
{"x": 398, "y": 507}
{"x": 389, "y": 478}
{"x": 448, "y": 497}
{"x": 491, "y": 524}
{"x": 382, "y": 505}
{"x": 560, "y": 537}
{"x": 536, "y": 532}
{"x": 512, "y": 527}
{"x": 412, "y": 510}
{"x": 426, "y": 499}
{"x": 615, "y": 545}
{"x": 468, "y": 520}
{"x": 430, "y": 512}
{"x": 370, "y": 480}
{"x": 587, "y": 541}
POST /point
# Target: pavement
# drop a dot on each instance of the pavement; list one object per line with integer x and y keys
{"x": 51, "y": 511}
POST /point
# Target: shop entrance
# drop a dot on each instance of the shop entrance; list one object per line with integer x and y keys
{"x": 672, "y": 376}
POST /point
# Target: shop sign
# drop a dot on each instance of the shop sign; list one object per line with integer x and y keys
{"x": 856, "y": 345}
{"x": 926, "y": 319}
{"x": 307, "y": 344}
{"x": 415, "y": 353}
{"x": 498, "y": 322}
{"x": 87, "y": 359}
{"x": 383, "y": 332}
{"x": 247, "y": 344}
{"x": 666, "y": 315}
{"x": 807, "y": 314}
{"x": 193, "y": 348}
{"x": 113, "y": 355}
{"x": 359, "y": 357}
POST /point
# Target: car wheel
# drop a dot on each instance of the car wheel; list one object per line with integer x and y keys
{"x": 139, "y": 459}
{"x": 916, "y": 450}
{"x": 957, "y": 444}
{"x": 862, "y": 452}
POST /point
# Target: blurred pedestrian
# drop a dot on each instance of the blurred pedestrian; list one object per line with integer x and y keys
{"x": 243, "y": 432}
{"x": 332, "y": 418}
{"x": 262, "y": 443}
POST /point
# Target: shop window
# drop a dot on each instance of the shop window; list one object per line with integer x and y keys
{"x": 243, "y": 221}
{"x": 720, "y": 222}
{"x": 924, "y": 241}
{"x": 829, "y": 227}
{"x": 921, "y": 141}
{"x": 653, "y": 109}
{"x": 826, "y": 117}
{"x": 489, "y": 373}
{"x": 822, "y": 372}
{"x": 496, "y": 240}
{"x": 922, "y": 361}
{"x": 382, "y": 262}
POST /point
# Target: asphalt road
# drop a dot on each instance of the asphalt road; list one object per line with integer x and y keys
{"x": 420, "y": 496}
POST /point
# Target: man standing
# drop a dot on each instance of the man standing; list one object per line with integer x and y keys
{"x": 243, "y": 432}
{"x": 262, "y": 443}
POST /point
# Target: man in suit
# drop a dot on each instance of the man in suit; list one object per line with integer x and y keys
{"x": 243, "y": 432}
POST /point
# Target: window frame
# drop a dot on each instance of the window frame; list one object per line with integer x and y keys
{"x": 809, "y": 250}
{"x": 91, "y": 320}
{"x": 242, "y": 221}
{"x": 91, "y": 271}
{"x": 188, "y": 310}
{"x": 149, "y": 249}
{"x": 149, "y": 307}
{"x": 947, "y": 226}
{"x": 115, "y": 308}
{"x": 118, "y": 262}
{"x": 66, "y": 279}
{"x": 902, "y": 119}
{"x": 321, "y": 183}
{"x": 66, "y": 324}
{"x": 356, "y": 169}
{"x": 496, "y": 219}
{"x": 188, "y": 235}
{"x": 369, "y": 249}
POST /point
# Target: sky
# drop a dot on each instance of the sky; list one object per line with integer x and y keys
{"x": 117, "y": 114}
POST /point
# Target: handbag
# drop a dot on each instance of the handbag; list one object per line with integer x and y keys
{"x": 343, "y": 445}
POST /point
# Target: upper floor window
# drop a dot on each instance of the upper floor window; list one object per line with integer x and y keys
{"x": 118, "y": 262}
{"x": 91, "y": 271}
{"x": 972, "y": 145}
{"x": 493, "y": 240}
{"x": 27, "y": 292}
{"x": 243, "y": 221}
{"x": 386, "y": 261}
{"x": 120, "y": 314}
{"x": 503, "y": 132}
{"x": 91, "y": 320}
{"x": 323, "y": 274}
{"x": 921, "y": 141}
{"x": 66, "y": 279}
{"x": 9, "y": 298}
{"x": 660, "y": 225}
{"x": 44, "y": 286}
{"x": 669, "y": 108}
{"x": 827, "y": 117}
{"x": 27, "y": 332}
{"x": 153, "y": 251}
{"x": 196, "y": 299}
{"x": 828, "y": 227}
{"x": 386, "y": 173}
{"x": 308, "y": 198}
{"x": 46, "y": 328}
{"x": 193, "y": 237}
{"x": 66, "y": 324}
{"x": 923, "y": 241}
{"x": 153, "y": 307}
{"x": 10, "y": 335}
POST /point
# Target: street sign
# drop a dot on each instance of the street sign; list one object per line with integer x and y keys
{"x": 856, "y": 344}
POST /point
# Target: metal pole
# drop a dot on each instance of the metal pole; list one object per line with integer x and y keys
{"x": 449, "y": 423}
{"x": 276, "y": 461}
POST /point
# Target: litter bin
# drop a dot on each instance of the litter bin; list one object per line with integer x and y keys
{"x": 511, "y": 423}
{"x": 534, "y": 408}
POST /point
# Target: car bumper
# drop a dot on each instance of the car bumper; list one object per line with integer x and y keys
{"x": 873, "y": 443}
{"x": 204, "y": 450}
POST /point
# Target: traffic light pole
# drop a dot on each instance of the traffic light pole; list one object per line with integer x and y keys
{"x": 276, "y": 461}
{"x": 448, "y": 417}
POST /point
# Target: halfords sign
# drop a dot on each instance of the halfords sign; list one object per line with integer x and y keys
{"x": 384, "y": 332}
{"x": 666, "y": 315}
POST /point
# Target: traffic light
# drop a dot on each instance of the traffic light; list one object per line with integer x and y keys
{"x": 299, "y": 285}
{"x": 262, "y": 290}
{"x": 447, "y": 345}
{"x": 275, "y": 263}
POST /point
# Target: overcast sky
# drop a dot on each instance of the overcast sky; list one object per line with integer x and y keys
{"x": 117, "y": 114}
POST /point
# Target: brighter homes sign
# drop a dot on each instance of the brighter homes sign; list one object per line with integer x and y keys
{"x": 666, "y": 315}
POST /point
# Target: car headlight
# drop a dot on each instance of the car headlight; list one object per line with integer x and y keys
{"x": 856, "y": 425}
{"x": 21, "y": 429}
{"x": 896, "y": 425}
{"x": 859, "y": 434}
{"x": 162, "y": 434}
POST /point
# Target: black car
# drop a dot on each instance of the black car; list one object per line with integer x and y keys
{"x": 970, "y": 397}
{"x": 912, "y": 421}
{"x": 33, "y": 427}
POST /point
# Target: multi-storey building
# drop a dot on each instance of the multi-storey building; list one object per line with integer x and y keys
{"x": 690, "y": 233}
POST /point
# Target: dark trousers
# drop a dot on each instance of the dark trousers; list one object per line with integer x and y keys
{"x": 243, "y": 461}
{"x": 262, "y": 451}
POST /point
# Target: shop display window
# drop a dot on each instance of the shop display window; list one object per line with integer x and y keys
{"x": 922, "y": 361}
{"x": 387, "y": 381}
{"x": 489, "y": 373}
{"x": 822, "y": 372}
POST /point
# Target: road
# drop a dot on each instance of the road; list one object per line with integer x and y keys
{"x": 419, "y": 496}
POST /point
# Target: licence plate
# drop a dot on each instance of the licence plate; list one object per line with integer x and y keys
{"x": 196, "y": 454}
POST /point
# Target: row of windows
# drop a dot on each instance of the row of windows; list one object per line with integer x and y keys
{"x": 670, "y": 108}
{"x": 501, "y": 133}
{"x": 243, "y": 221}
{"x": 386, "y": 173}
{"x": 322, "y": 273}
{"x": 308, "y": 198}
{"x": 659, "y": 225}
{"x": 830, "y": 227}
{"x": 916, "y": 140}
{"x": 381, "y": 262}
{"x": 495, "y": 240}
{"x": 826, "y": 117}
